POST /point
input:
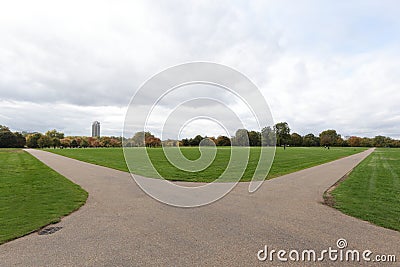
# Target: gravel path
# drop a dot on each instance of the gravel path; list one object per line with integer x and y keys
{"x": 122, "y": 226}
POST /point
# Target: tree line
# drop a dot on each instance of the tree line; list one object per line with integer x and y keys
{"x": 277, "y": 135}
{"x": 53, "y": 138}
{"x": 10, "y": 139}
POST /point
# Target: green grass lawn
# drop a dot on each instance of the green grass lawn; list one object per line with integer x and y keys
{"x": 32, "y": 195}
{"x": 286, "y": 161}
{"x": 372, "y": 190}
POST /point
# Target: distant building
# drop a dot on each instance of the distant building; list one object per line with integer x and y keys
{"x": 96, "y": 129}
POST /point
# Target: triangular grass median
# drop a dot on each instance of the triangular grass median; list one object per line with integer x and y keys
{"x": 286, "y": 161}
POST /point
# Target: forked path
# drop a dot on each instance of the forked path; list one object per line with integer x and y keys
{"x": 122, "y": 226}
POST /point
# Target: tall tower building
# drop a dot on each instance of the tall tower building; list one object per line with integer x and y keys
{"x": 96, "y": 129}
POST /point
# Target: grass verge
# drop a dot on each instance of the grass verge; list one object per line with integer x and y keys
{"x": 372, "y": 191}
{"x": 32, "y": 195}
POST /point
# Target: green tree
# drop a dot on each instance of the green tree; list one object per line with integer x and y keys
{"x": 32, "y": 140}
{"x": 7, "y": 138}
{"x": 196, "y": 140}
{"x": 296, "y": 139}
{"x": 268, "y": 136}
{"x": 55, "y": 142}
{"x": 223, "y": 141}
{"x": 139, "y": 138}
{"x": 282, "y": 132}
{"x": 366, "y": 142}
{"x": 44, "y": 141}
{"x": 330, "y": 138}
{"x": 74, "y": 143}
{"x": 379, "y": 141}
{"x": 184, "y": 142}
{"x": 254, "y": 138}
{"x": 310, "y": 140}
{"x": 54, "y": 133}
{"x": 395, "y": 143}
{"x": 20, "y": 140}
{"x": 84, "y": 142}
{"x": 241, "y": 138}
{"x": 340, "y": 141}
{"x": 55, "y": 137}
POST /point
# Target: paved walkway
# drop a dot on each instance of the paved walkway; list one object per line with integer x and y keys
{"x": 122, "y": 226}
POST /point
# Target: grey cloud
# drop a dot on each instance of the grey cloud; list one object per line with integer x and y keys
{"x": 62, "y": 66}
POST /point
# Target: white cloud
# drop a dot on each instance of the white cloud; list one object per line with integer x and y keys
{"x": 319, "y": 65}
{"x": 70, "y": 119}
{"x": 355, "y": 94}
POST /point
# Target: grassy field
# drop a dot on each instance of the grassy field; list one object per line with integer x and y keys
{"x": 286, "y": 161}
{"x": 32, "y": 195}
{"x": 372, "y": 191}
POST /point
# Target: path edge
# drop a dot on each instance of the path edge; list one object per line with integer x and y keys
{"x": 329, "y": 199}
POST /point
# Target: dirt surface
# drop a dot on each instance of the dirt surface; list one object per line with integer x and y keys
{"x": 329, "y": 199}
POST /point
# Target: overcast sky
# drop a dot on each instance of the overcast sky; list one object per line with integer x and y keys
{"x": 319, "y": 64}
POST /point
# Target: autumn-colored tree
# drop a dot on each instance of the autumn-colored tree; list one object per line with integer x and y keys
{"x": 105, "y": 141}
{"x": 212, "y": 138}
{"x": 115, "y": 142}
{"x": 152, "y": 141}
{"x": 78, "y": 140}
{"x": 330, "y": 138}
{"x": 339, "y": 141}
{"x": 65, "y": 142}
{"x": 354, "y": 141}
{"x": 96, "y": 143}
{"x": 139, "y": 138}
{"x": 93, "y": 142}
{"x": 84, "y": 142}
{"x": 44, "y": 141}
